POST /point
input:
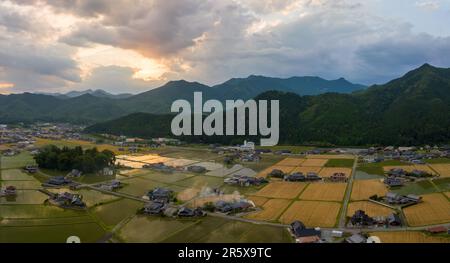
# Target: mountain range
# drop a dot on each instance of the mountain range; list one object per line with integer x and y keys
{"x": 411, "y": 110}
{"x": 96, "y": 93}
{"x": 90, "y": 106}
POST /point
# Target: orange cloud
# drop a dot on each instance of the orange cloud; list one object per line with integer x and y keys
{"x": 5, "y": 85}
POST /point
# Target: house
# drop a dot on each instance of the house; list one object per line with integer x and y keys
{"x": 32, "y": 169}
{"x": 57, "y": 181}
{"x": 243, "y": 180}
{"x": 360, "y": 218}
{"x": 295, "y": 177}
{"x": 75, "y": 173}
{"x": 9, "y": 191}
{"x": 356, "y": 239}
{"x": 68, "y": 200}
{"x": 393, "y": 198}
{"x": 393, "y": 181}
{"x": 277, "y": 173}
{"x": 437, "y": 230}
{"x": 247, "y": 146}
{"x": 171, "y": 211}
{"x": 160, "y": 194}
{"x": 154, "y": 208}
{"x": 235, "y": 207}
{"x": 418, "y": 173}
{"x": 338, "y": 177}
{"x": 312, "y": 176}
{"x": 196, "y": 169}
{"x": 111, "y": 186}
{"x": 303, "y": 234}
{"x": 187, "y": 212}
{"x": 394, "y": 220}
{"x": 107, "y": 171}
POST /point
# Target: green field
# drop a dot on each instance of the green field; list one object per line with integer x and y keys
{"x": 377, "y": 168}
{"x": 419, "y": 188}
{"x": 18, "y": 161}
{"x": 340, "y": 163}
{"x": 438, "y": 160}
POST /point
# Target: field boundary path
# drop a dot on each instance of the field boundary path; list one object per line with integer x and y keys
{"x": 348, "y": 193}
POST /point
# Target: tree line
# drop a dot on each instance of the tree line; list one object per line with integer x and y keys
{"x": 66, "y": 159}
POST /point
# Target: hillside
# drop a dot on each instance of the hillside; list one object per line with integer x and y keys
{"x": 414, "y": 109}
{"x": 94, "y": 106}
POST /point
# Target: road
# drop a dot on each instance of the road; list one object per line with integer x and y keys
{"x": 348, "y": 192}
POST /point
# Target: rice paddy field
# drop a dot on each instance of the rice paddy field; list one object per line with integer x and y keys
{"x": 312, "y": 213}
{"x": 324, "y": 192}
{"x": 372, "y": 209}
{"x": 363, "y": 189}
{"x": 409, "y": 237}
{"x": 271, "y": 210}
{"x": 443, "y": 169}
{"x": 435, "y": 209}
{"x": 329, "y": 171}
{"x": 285, "y": 190}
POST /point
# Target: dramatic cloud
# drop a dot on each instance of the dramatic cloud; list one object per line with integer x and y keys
{"x": 134, "y": 45}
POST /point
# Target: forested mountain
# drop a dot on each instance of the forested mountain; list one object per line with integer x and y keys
{"x": 414, "y": 109}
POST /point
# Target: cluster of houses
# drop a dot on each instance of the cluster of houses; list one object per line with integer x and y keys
{"x": 397, "y": 177}
{"x": 415, "y": 155}
{"x": 361, "y": 219}
{"x": 8, "y": 191}
{"x": 161, "y": 204}
{"x": 398, "y": 199}
{"x": 243, "y": 180}
{"x": 67, "y": 200}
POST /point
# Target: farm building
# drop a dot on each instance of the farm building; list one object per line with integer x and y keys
{"x": 397, "y": 199}
{"x": 160, "y": 194}
{"x": 393, "y": 181}
{"x": 356, "y": 239}
{"x": 196, "y": 169}
{"x": 338, "y": 177}
{"x": 154, "y": 208}
{"x": 32, "y": 169}
{"x": 57, "y": 181}
{"x": 360, "y": 218}
{"x": 8, "y": 191}
{"x": 303, "y": 234}
{"x": 68, "y": 200}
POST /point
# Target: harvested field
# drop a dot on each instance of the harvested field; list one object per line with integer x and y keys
{"x": 363, "y": 189}
{"x": 291, "y": 162}
{"x": 306, "y": 170}
{"x": 435, "y": 209}
{"x": 188, "y": 194}
{"x": 258, "y": 200}
{"x": 408, "y": 237}
{"x": 330, "y": 156}
{"x": 281, "y": 190}
{"x": 407, "y": 168}
{"x": 315, "y": 162}
{"x": 324, "y": 192}
{"x": 447, "y": 194}
{"x": 424, "y": 168}
{"x": 312, "y": 213}
{"x": 443, "y": 169}
{"x": 210, "y": 166}
{"x": 132, "y": 172}
{"x": 272, "y": 209}
{"x": 370, "y": 208}
{"x": 329, "y": 171}
{"x": 130, "y": 164}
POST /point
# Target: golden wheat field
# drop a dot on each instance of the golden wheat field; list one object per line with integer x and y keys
{"x": 327, "y": 172}
{"x": 443, "y": 169}
{"x": 305, "y": 170}
{"x": 363, "y": 189}
{"x": 330, "y": 156}
{"x": 312, "y": 213}
{"x": 408, "y": 237}
{"x": 284, "y": 190}
{"x": 315, "y": 162}
{"x": 324, "y": 192}
{"x": 258, "y": 200}
{"x": 435, "y": 209}
{"x": 447, "y": 194}
{"x": 272, "y": 209}
{"x": 370, "y": 208}
{"x": 290, "y": 162}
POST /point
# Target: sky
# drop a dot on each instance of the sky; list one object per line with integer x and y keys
{"x": 136, "y": 45}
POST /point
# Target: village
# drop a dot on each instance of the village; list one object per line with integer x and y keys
{"x": 299, "y": 194}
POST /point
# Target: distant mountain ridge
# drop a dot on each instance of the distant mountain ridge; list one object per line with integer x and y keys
{"x": 96, "y": 93}
{"x": 411, "y": 110}
{"x": 92, "y": 106}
